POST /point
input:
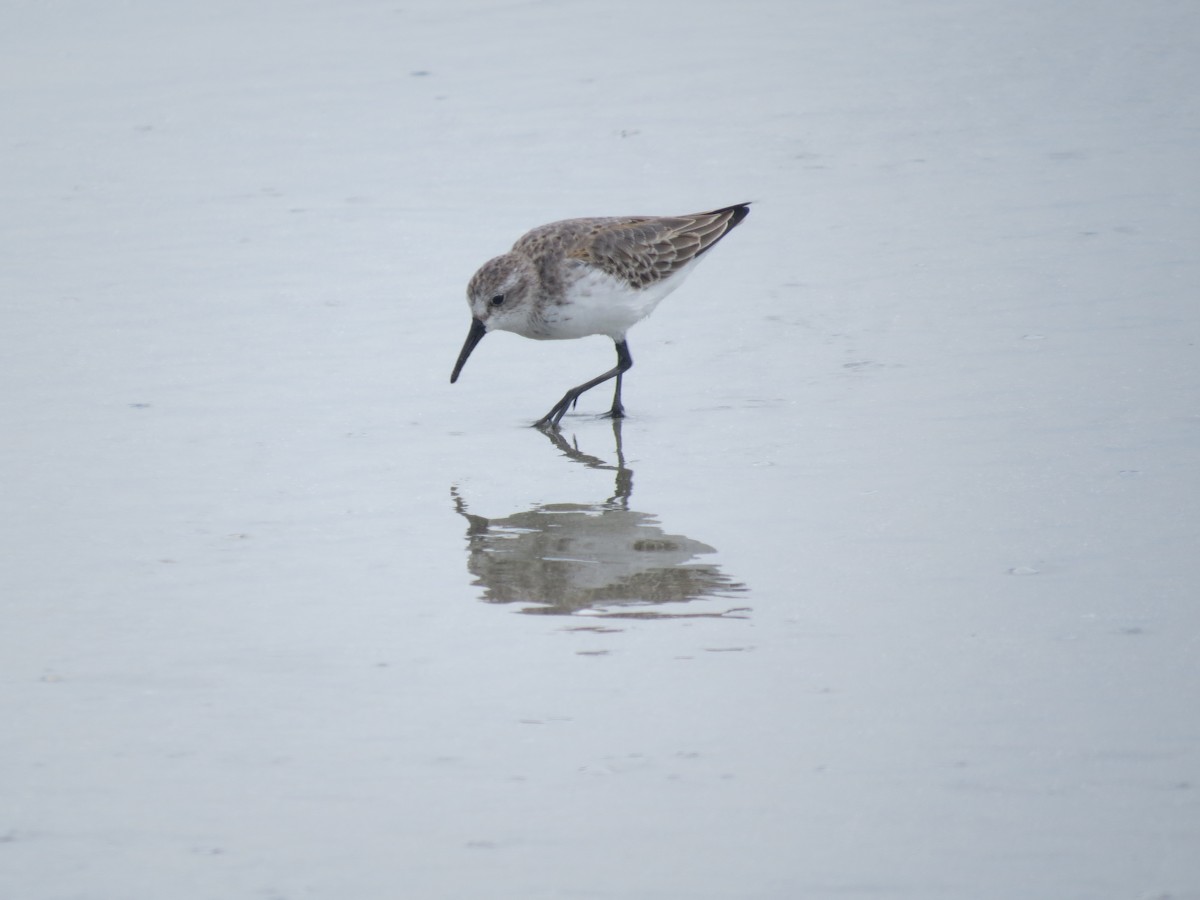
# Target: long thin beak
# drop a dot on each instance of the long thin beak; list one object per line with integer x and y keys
{"x": 474, "y": 336}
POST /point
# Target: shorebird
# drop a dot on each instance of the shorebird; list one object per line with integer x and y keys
{"x": 579, "y": 277}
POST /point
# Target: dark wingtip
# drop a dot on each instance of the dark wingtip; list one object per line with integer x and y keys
{"x": 737, "y": 212}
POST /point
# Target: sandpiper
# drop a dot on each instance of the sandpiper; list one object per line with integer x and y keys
{"x": 578, "y": 277}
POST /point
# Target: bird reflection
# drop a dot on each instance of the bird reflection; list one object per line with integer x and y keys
{"x": 603, "y": 559}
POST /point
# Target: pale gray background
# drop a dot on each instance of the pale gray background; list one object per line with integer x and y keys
{"x": 934, "y": 404}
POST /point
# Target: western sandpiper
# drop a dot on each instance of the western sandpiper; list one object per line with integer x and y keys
{"x": 578, "y": 277}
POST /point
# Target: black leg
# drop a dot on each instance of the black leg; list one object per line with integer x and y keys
{"x": 617, "y": 410}
{"x": 624, "y": 364}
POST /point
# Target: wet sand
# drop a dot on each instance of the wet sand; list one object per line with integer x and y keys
{"x": 886, "y": 587}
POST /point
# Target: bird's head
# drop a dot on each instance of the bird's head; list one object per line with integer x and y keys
{"x": 501, "y": 296}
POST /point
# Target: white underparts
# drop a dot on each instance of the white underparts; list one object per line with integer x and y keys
{"x": 601, "y": 304}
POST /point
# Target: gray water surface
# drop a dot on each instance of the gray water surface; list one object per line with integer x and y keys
{"x": 886, "y": 587}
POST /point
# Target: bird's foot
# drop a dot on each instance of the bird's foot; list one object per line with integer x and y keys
{"x": 551, "y": 419}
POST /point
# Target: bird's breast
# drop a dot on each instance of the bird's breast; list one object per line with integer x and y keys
{"x": 592, "y": 301}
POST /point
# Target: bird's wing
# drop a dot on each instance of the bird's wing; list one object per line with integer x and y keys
{"x": 644, "y": 250}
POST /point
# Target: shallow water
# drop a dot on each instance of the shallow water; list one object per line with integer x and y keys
{"x": 885, "y": 587}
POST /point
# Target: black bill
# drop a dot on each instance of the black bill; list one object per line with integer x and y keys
{"x": 474, "y": 336}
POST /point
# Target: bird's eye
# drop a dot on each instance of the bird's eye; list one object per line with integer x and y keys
{"x": 498, "y": 300}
